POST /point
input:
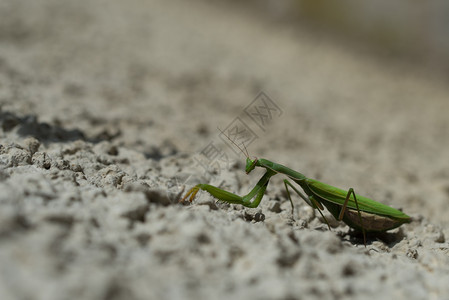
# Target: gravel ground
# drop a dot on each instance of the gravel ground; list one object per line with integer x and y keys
{"x": 110, "y": 109}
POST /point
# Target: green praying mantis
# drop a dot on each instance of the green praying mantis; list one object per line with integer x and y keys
{"x": 358, "y": 212}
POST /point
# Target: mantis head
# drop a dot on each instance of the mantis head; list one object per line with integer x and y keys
{"x": 250, "y": 164}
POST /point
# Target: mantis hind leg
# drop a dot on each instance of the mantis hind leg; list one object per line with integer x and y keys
{"x": 310, "y": 200}
{"x": 344, "y": 207}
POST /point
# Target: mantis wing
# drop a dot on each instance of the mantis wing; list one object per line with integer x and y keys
{"x": 338, "y": 196}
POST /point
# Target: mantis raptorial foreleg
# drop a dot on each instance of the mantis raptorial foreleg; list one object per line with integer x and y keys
{"x": 222, "y": 195}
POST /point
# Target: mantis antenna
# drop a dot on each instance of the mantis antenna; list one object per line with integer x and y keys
{"x": 244, "y": 152}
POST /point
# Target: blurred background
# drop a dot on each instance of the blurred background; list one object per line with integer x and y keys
{"x": 411, "y": 30}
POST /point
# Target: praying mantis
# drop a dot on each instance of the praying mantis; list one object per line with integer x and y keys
{"x": 358, "y": 212}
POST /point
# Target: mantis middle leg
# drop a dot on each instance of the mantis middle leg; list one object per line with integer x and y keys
{"x": 343, "y": 209}
{"x": 310, "y": 200}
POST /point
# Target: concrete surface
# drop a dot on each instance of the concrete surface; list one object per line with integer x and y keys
{"x": 106, "y": 107}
